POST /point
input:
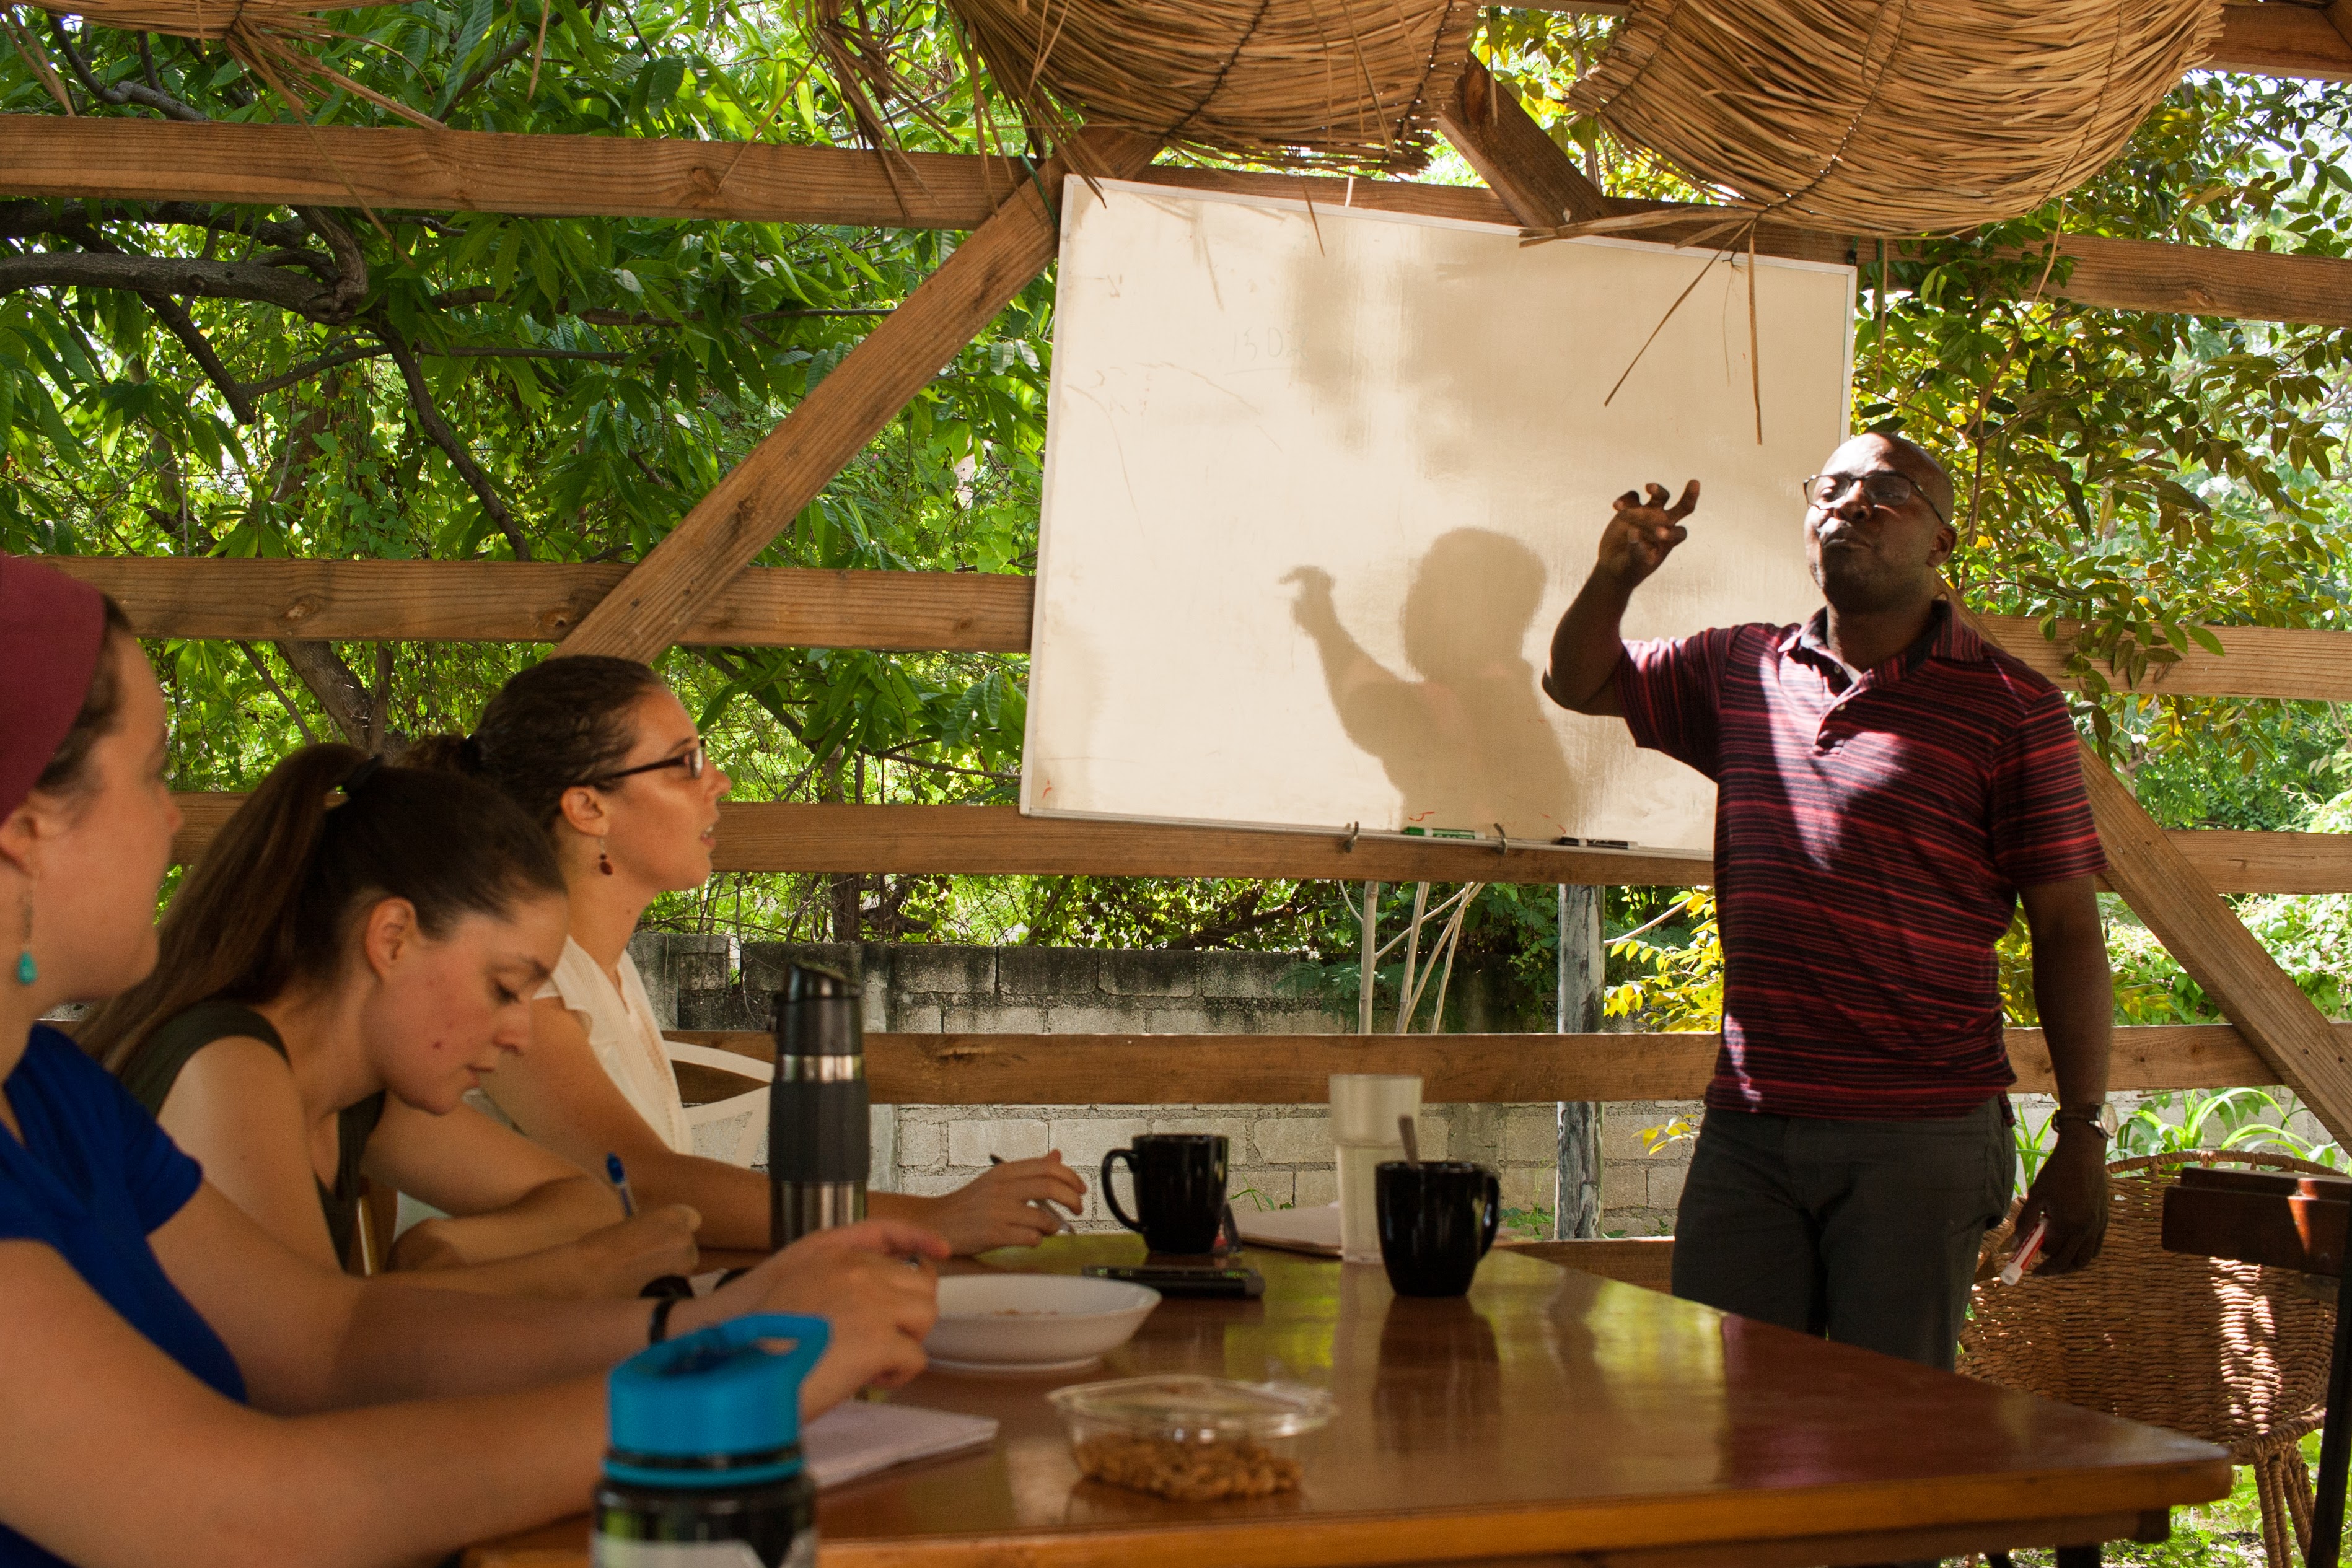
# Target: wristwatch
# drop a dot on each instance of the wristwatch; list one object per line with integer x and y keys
{"x": 2098, "y": 1116}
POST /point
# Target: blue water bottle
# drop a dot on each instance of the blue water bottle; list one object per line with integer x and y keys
{"x": 704, "y": 1469}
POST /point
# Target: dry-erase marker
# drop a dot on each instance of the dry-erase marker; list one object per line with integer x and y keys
{"x": 621, "y": 1185}
{"x": 2023, "y": 1257}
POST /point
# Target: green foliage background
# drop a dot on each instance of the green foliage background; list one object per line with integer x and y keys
{"x": 2139, "y": 473}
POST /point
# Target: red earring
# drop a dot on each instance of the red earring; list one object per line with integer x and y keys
{"x": 604, "y": 861}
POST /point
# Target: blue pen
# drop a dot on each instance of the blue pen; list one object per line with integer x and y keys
{"x": 621, "y": 1185}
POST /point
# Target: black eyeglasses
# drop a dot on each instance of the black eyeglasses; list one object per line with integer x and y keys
{"x": 694, "y": 759}
{"x": 1884, "y": 488}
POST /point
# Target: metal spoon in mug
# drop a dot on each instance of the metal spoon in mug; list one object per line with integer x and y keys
{"x": 1411, "y": 1143}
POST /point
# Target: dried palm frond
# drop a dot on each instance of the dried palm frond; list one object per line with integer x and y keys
{"x": 1349, "y": 85}
{"x": 1892, "y": 116}
{"x": 270, "y": 37}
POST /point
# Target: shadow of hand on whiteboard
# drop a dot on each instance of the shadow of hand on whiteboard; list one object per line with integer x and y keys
{"x": 1468, "y": 744}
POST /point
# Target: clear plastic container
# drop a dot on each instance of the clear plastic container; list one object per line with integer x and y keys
{"x": 1192, "y": 1439}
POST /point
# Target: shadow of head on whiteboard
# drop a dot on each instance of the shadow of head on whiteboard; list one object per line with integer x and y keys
{"x": 1465, "y": 737}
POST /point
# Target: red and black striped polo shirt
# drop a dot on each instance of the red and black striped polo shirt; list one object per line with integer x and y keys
{"x": 1870, "y": 836}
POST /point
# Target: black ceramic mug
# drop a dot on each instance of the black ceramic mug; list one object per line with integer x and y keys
{"x": 1179, "y": 1189}
{"x": 1437, "y": 1219}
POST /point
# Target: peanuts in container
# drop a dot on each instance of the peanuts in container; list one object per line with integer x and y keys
{"x": 1190, "y": 1437}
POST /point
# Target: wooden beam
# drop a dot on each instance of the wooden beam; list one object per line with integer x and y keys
{"x": 555, "y": 176}
{"x": 400, "y": 170}
{"x": 1486, "y": 1068}
{"x": 990, "y": 841}
{"x": 539, "y": 601}
{"x": 2196, "y": 280}
{"x": 1541, "y": 186}
{"x": 2206, "y": 937}
{"x": 2235, "y": 862}
{"x": 2278, "y": 38}
{"x": 690, "y": 570}
{"x": 2254, "y": 661}
{"x": 964, "y": 611}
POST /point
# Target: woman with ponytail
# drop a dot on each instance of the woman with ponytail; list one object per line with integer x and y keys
{"x": 602, "y": 756}
{"x": 358, "y": 948}
{"x": 181, "y": 1387}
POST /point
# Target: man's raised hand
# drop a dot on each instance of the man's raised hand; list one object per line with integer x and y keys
{"x": 1643, "y": 532}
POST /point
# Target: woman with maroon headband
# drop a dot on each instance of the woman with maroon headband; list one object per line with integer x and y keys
{"x": 148, "y": 1316}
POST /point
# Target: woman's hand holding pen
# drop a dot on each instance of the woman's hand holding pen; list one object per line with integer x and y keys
{"x": 1011, "y": 1204}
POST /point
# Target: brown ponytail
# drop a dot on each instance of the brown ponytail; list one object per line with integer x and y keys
{"x": 562, "y": 723}
{"x": 330, "y": 828}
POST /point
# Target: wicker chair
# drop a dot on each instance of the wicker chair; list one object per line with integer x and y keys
{"x": 2233, "y": 1352}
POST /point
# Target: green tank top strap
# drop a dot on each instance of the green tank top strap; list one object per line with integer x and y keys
{"x": 156, "y": 1065}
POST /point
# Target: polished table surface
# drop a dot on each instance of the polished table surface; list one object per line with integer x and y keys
{"x": 1550, "y": 1412}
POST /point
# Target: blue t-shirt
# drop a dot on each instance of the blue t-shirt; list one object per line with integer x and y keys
{"x": 93, "y": 1176}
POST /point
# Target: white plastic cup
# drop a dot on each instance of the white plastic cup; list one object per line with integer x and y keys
{"x": 1365, "y": 1109}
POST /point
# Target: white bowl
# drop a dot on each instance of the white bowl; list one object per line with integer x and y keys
{"x": 1032, "y": 1323}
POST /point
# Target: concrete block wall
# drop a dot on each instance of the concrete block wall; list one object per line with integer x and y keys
{"x": 1281, "y": 1153}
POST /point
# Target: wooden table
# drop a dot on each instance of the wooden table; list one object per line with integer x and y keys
{"x": 2283, "y": 1221}
{"x": 1551, "y": 1417}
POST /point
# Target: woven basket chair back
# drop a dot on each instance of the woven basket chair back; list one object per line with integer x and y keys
{"x": 1892, "y": 116}
{"x": 1341, "y": 84}
{"x": 2233, "y": 1352}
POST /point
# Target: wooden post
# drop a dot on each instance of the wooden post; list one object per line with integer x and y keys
{"x": 1541, "y": 184}
{"x": 1583, "y": 963}
{"x": 729, "y": 527}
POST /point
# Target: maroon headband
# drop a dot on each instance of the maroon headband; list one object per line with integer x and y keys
{"x": 52, "y": 631}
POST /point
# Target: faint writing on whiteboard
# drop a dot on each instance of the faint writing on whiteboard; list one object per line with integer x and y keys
{"x": 1261, "y": 346}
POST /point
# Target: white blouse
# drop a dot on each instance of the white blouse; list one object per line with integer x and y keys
{"x": 619, "y": 1024}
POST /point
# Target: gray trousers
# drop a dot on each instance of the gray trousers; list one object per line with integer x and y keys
{"x": 1865, "y": 1231}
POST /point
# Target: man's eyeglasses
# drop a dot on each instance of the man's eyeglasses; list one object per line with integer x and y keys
{"x": 1884, "y": 488}
{"x": 694, "y": 759}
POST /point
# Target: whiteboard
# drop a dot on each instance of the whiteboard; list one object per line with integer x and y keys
{"x": 1319, "y": 484}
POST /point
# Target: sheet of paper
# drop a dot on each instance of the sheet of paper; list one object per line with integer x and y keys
{"x": 1315, "y": 1230}
{"x": 857, "y": 1439}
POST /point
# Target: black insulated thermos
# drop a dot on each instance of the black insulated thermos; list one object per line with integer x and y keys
{"x": 818, "y": 1135}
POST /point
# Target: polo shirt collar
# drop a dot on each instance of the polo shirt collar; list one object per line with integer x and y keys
{"x": 1946, "y": 637}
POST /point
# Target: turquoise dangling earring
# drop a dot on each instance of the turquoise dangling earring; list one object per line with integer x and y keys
{"x": 27, "y": 970}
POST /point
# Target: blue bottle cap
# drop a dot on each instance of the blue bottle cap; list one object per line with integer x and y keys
{"x": 717, "y": 1408}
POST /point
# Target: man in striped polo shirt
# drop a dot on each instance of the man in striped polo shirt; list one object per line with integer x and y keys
{"x": 1889, "y": 788}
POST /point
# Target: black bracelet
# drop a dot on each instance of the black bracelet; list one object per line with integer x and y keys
{"x": 657, "y": 1326}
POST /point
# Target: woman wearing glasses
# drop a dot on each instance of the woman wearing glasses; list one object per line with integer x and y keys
{"x": 602, "y": 755}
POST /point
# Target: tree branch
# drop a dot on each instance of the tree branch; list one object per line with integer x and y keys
{"x": 22, "y": 219}
{"x": 420, "y": 398}
{"x": 183, "y": 326}
{"x": 187, "y": 275}
{"x": 180, "y": 325}
{"x": 337, "y": 686}
{"x": 489, "y": 68}
{"x": 350, "y": 288}
{"x": 278, "y": 691}
{"x": 128, "y": 92}
{"x": 350, "y": 354}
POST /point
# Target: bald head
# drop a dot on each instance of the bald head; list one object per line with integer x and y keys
{"x": 1907, "y": 457}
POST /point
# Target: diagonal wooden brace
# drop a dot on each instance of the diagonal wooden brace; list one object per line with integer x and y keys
{"x": 684, "y": 575}
{"x": 2206, "y": 937}
{"x": 1541, "y": 184}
